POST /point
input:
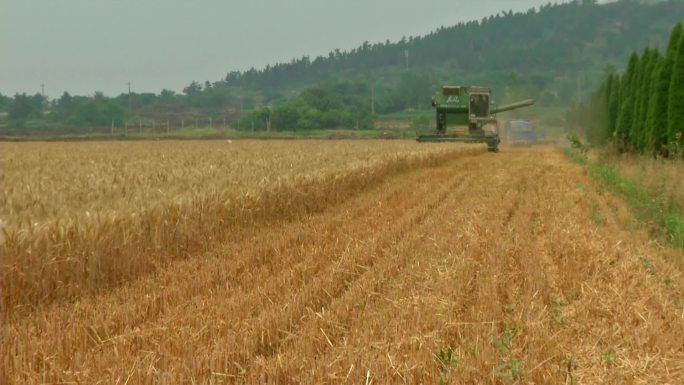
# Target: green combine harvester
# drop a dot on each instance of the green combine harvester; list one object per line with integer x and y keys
{"x": 466, "y": 114}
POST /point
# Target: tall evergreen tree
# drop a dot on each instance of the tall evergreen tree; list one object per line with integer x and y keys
{"x": 658, "y": 111}
{"x": 594, "y": 116}
{"x": 657, "y": 98}
{"x": 675, "y": 110}
{"x": 644, "y": 96}
{"x": 635, "y": 92}
{"x": 613, "y": 103}
{"x": 605, "y": 107}
{"x": 675, "y": 35}
{"x": 626, "y": 114}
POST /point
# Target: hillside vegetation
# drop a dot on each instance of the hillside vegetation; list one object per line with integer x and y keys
{"x": 555, "y": 54}
{"x": 555, "y": 40}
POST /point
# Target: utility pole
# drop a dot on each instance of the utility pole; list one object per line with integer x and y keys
{"x": 240, "y": 116}
{"x": 130, "y": 103}
{"x": 373, "y": 99}
{"x": 268, "y": 121}
{"x": 406, "y": 54}
{"x": 42, "y": 93}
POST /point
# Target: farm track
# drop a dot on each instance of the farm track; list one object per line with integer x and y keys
{"x": 515, "y": 263}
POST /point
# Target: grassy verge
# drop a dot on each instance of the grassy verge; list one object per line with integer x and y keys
{"x": 663, "y": 216}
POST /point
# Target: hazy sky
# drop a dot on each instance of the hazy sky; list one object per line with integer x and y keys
{"x": 82, "y": 46}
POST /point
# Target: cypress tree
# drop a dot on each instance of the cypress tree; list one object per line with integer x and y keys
{"x": 675, "y": 110}
{"x": 658, "y": 109}
{"x": 613, "y": 103}
{"x": 657, "y": 97}
{"x": 606, "y": 127}
{"x": 660, "y": 103}
{"x": 645, "y": 94}
{"x": 635, "y": 92}
{"x": 595, "y": 114}
{"x": 626, "y": 113}
{"x": 675, "y": 35}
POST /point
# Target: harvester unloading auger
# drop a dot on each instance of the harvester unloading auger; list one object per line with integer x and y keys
{"x": 466, "y": 114}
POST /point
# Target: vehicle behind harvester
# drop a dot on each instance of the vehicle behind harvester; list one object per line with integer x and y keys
{"x": 466, "y": 114}
{"x": 522, "y": 133}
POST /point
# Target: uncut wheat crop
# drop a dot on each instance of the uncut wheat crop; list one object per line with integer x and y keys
{"x": 83, "y": 216}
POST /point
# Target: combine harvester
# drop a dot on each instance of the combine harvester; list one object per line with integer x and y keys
{"x": 470, "y": 114}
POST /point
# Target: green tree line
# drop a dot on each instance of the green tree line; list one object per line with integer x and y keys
{"x": 37, "y": 111}
{"x": 329, "y": 106}
{"x": 642, "y": 109}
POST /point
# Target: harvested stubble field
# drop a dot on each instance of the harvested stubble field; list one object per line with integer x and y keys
{"x": 410, "y": 265}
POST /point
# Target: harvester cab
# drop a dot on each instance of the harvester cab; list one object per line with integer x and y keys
{"x": 467, "y": 114}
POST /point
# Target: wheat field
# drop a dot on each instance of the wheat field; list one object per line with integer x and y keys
{"x": 79, "y": 217}
{"x": 332, "y": 262}
{"x": 69, "y": 181}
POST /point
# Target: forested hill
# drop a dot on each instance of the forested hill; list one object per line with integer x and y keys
{"x": 555, "y": 39}
{"x": 555, "y": 54}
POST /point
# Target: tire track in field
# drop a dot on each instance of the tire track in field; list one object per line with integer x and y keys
{"x": 459, "y": 204}
{"x": 389, "y": 264}
{"x": 328, "y": 282}
{"x": 383, "y": 267}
